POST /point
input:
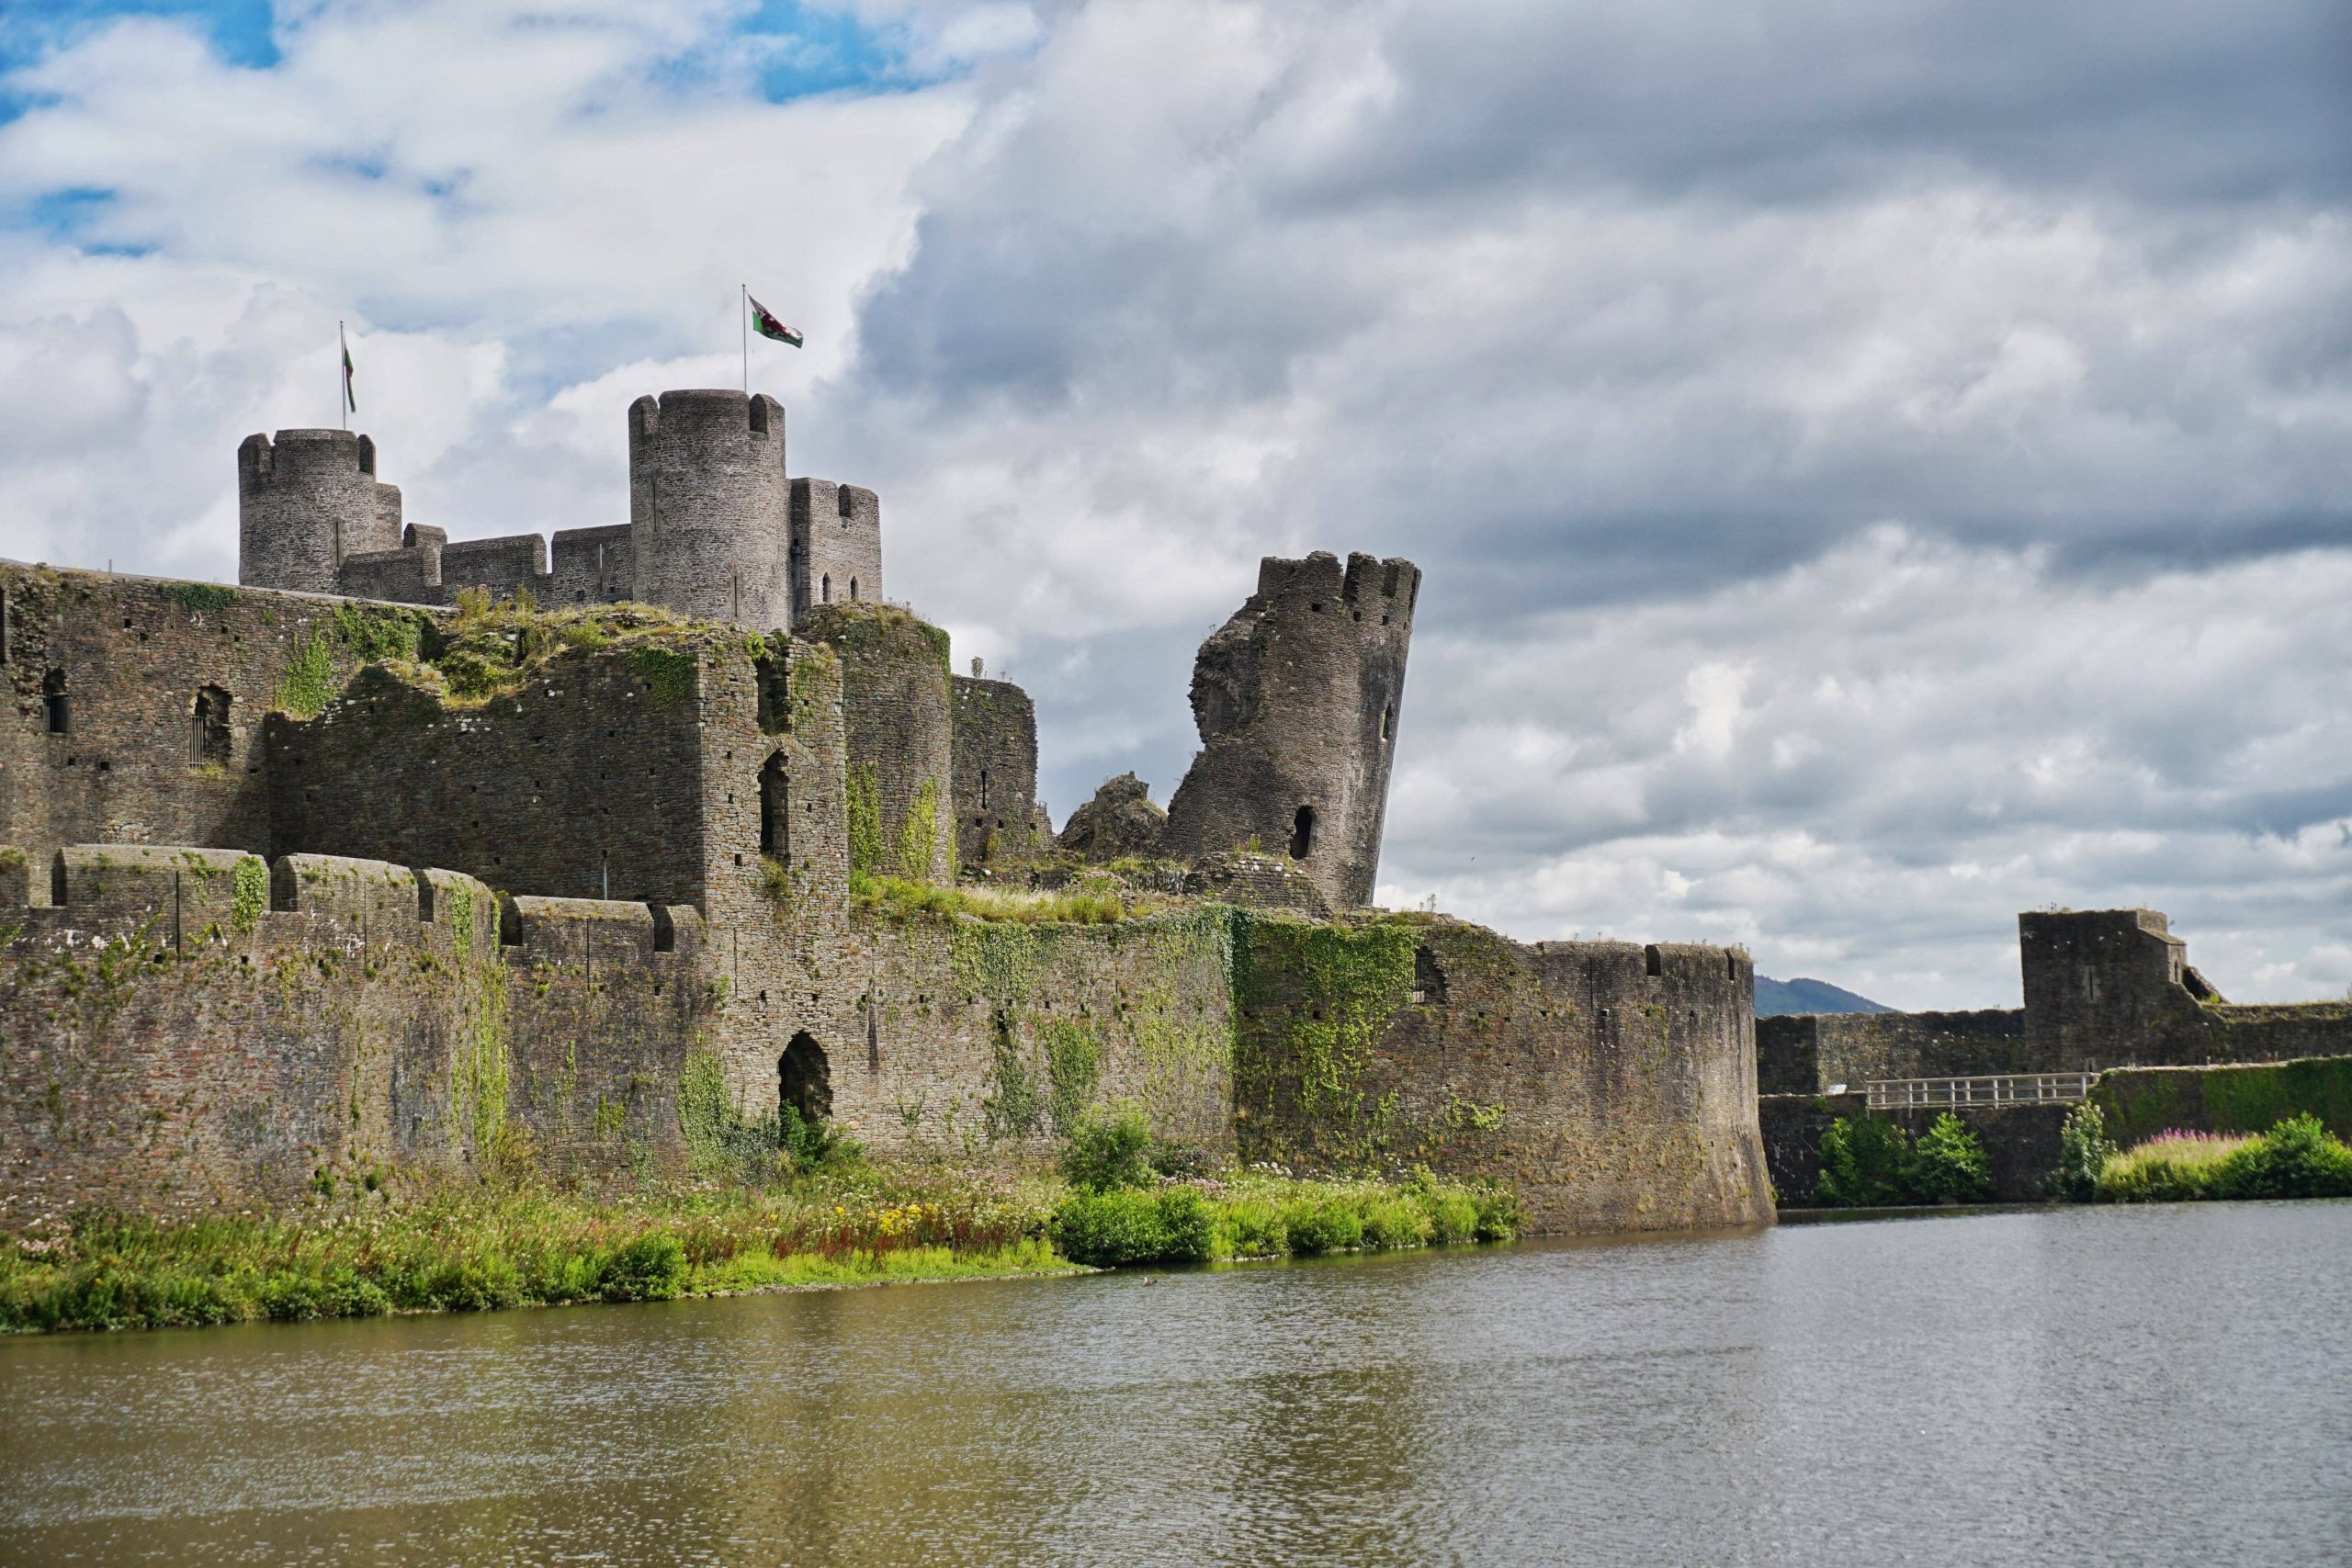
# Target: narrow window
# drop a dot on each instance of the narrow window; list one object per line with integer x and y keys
{"x": 207, "y": 728}
{"x": 775, "y": 809}
{"x": 853, "y": 588}
{"x": 804, "y": 1081}
{"x": 984, "y": 789}
{"x": 53, "y": 699}
{"x": 1302, "y": 833}
{"x": 1388, "y": 721}
{"x": 825, "y": 589}
{"x": 774, "y": 673}
{"x": 4, "y": 628}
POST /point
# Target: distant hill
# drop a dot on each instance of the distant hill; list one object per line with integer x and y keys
{"x": 1776, "y": 997}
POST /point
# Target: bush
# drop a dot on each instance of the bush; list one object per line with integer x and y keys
{"x": 1330, "y": 1225}
{"x": 1948, "y": 1166}
{"x": 1251, "y": 1227}
{"x": 2084, "y": 1149}
{"x": 2297, "y": 1158}
{"x": 1396, "y": 1221}
{"x": 1499, "y": 1216}
{"x": 1865, "y": 1164}
{"x": 1453, "y": 1216}
{"x": 1187, "y": 1225}
{"x": 650, "y": 1269}
{"x": 1107, "y": 1150}
{"x": 1106, "y": 1228}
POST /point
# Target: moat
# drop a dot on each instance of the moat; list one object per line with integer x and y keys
{"x": 2091, "y": 1385}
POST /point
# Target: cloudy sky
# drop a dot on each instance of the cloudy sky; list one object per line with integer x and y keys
{"x": 1878, "y": 466}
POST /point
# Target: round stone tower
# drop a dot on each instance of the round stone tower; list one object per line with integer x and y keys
{"x": 709, "y": 505}
{"x": 304, "y": 502}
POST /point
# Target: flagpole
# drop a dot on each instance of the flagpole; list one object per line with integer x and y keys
{"x": 743, "y": 320}
{"x": 342, "y": 396}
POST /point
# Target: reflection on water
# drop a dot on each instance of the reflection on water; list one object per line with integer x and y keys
{"x": 2080, "y": 1386}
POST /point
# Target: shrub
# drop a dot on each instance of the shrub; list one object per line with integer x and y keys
{"x": 1396, "y": 1221}
{"x": 1499, "y": 1216}
{"x": 1187, "y": 1225}
{"x": 2084, "y": 1149}
{"x": 1329, "y": 1225}
{"x": 1948, "y": 1166}
{"x": 1453, "y": 1216}
{"x": 1865, "y": 1164}
{"x": 1251, "y": 1227}
{"x": 1107, "y": 1149}
{"x": 650, "y": 1269}
{"x": 1109, "y": 1227}
{"x": 2297, "y": 1158}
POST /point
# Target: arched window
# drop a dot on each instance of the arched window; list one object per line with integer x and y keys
{"x": 208, "y": 726}
{"x": 804, "y": 1079}
{"x": 775, "y": 809}
{"x": 825, "y": 589}
{"x": 853, "y": 588}
{"x": 53, "y": 699}
{"x": 1302, "y": 833}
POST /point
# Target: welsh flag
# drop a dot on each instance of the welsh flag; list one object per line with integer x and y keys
{"x": 768, "y": 326}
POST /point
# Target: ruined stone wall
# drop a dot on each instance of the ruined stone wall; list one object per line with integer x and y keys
{"x": 1297, "y": 699}
{"x": 2020, "y": 1142}
{"x": 135, "y": 761}
{"x": 593, "y": 566}
{"x": 1613, "y": 1084}
{"x": 900, "y": 737}
{"x": 586, "y": 783}
{"x": 836, "y": 551}
{"x": 190, "y": 1030}
{"x": 999, "y": 823}
{"x": 1810, "y": 1053}
{"x": 306, "y": 502}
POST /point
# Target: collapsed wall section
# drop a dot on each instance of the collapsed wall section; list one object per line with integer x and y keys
{"x": 586, "y": 782}
{"x": 137, "y": 703}
{"x": 189, "y": 1031}
{"x": 1613, "y": 1084}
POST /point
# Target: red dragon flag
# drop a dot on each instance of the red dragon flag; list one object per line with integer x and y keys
{"x": 767, "y": 325}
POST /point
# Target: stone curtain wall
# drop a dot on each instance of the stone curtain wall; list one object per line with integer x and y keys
{"x": 1809, "y": 1053}
{"x": 1613, "y": 1084}
{"x": 171, "y": 1041}
{"x": 587, "y": 784}
{"x": 999, "y": 823}
{"x": 134, "y": 653}
{"x": 2020, "y": 1141}
{"x": 900, "y": 730}
{"x": 1298, "y": 698}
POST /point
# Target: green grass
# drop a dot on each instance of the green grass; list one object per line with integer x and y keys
{"x": 897, "y": 897}
{"x": 366, "y": 1248}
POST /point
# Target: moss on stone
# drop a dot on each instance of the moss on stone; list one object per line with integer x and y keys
{"x": 918, "y": 834}
{"x": 1312, "y": 999}
{"x": 248, "y": 892}
{"x": 200, "y": 596}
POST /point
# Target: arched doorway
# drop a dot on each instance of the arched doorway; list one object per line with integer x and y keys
{"x": 805, "y": 1079}
{"x": 1302, "y": 833}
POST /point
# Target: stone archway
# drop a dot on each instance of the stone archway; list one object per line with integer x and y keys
{"x": 805, "y": 1079}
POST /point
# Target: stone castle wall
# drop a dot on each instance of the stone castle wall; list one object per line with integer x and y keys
{"x": 836, "y": 545}
{"x": 901, "y": 731}
{"x": 1613, "y": 1084}
{"x": 191, "y": 1029}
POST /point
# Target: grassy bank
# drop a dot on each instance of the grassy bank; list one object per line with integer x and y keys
{"x": 2297, "y": 1158}
{"x": 474, "y": 1249}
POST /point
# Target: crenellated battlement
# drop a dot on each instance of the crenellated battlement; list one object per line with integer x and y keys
{"x": 307, "y": 502}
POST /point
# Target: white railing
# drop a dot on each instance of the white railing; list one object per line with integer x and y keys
{"x": 1995, "y": 1088}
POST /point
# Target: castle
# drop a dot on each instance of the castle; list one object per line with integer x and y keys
{"x": 414, "y": 854}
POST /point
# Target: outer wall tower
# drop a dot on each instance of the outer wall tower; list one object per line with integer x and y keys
{"x": 1298, "y": 698}
{"x": 304, "y": 504}
{"x": 708, "y": 505}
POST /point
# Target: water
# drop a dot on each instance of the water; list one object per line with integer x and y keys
{"x": 2164, "y": 1385}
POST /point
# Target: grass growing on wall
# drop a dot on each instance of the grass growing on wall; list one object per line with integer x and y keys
{"x": 903, "y": 898}
{"x": 2141, "y": 1102}
{"x": 1320, "y": 994}
{"x": 861, "y": 785}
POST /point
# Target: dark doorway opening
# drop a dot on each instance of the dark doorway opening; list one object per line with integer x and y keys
{"x": 208, "y": 738}
{"x": 1302, "y": 833}
{"x": 804, "y": 1079}
{"x": 53, "y": 699}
